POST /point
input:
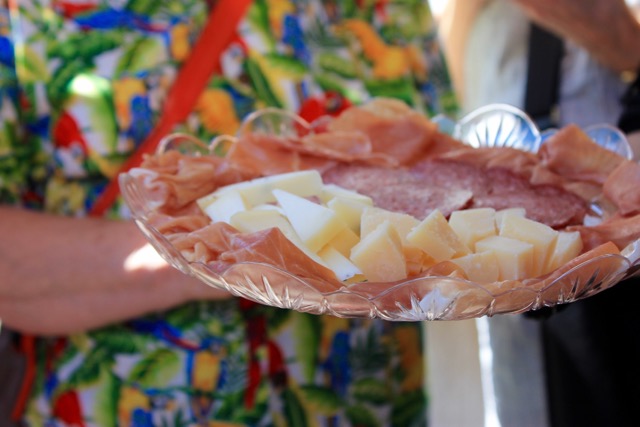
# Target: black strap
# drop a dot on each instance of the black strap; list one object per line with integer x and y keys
{"x": 543, "y": 76}
{"x": 630, "y": 118}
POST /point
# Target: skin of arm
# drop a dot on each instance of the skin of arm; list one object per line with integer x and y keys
{"x": 608, "y": 29}
{"x": 61, "y": 275}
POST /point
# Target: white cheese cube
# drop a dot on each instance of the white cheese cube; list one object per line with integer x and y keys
{"x": 349, "y": 210}
{"x": 223, "y": 207}
{"x": 514, "y": 257}
{"x": 315, "y": 224}
{"x": 372, "y": 217}
{"x": 481, "y": 267}
{"x": 268, "y": 207}
{"x": 472, "y": 225}
{"x": 568, "y": 246}
{"x": 379, "y": 255}
{"x": 257, "y": 220}
{"x": 258, "y": 191}
{"x": 331, "y": 191}
{"x": 542, "y": 237}
{"x": 344, "y": 241}
{"x": 434, "y": 236}
{"x": 338, "y": 263}
{"x": 521, "y": 212}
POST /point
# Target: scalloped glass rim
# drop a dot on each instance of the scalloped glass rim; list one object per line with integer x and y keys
{"x": 427, "y": 298}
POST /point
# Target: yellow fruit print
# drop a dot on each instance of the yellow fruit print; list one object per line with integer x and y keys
{"x": 131, "y": 398}
{"x": 180, "y": 46}
{"x": 216, "y": 111}
{"x": 278, "y": 9}
{"x": 123, "y": 90}
{"x": 206, "y": 371}
{"x": 409, "y": 345}
{"x": 64, "y": 197}
{"x": 389, "y": 62}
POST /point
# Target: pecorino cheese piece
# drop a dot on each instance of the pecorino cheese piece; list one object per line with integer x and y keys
{"x": 380, "y": 256}
{"x": 542, "y": 237}
{"x": 436, "y": 237}
{"x": 514, "y": 257}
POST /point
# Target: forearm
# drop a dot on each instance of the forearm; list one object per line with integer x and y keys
{"x": 45, "y": 255}
{"x": 66, "y": 274}
{"x": 606, "y": 28}
{"x": 71, "y": 313}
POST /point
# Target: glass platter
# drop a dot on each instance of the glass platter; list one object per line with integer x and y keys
{"x": 426, "y": 298}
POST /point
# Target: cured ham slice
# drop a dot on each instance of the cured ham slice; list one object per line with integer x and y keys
{"x": 621, "y": 187}
{"x": 392, "y": 127}
{"x": 571, "y": 153}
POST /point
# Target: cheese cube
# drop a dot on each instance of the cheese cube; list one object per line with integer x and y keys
{"x": 331, "y": 191}
{"x": 568, "y": 246}
{"x": 223, "y": 207}
{"x": 372, "y": 217}
{"x": 472, "y": 225}
{"x": 344, "y": 241}
{"x": 379, "y": 255}
{"x": 542, "y": 237}
{"x": 349, "y": 210}
{"x": 481, "y": 267}
{"x": 514, "y": 257}
{"x": 315, "y": 224}
{"x": 257, "y": 220}
{"x": 338, "y": 263}
{"x": 268, "y": 207}
{"x": 521, "y": 212}
{"x": 258, "y": 191}
{"x": 434, "y": 236}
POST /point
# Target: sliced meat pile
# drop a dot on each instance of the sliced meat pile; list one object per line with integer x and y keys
{"x": 399, "y": 158}
{"x": 449, "y": 185}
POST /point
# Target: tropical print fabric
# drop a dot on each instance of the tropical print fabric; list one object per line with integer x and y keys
{"x": 82, "y": 83}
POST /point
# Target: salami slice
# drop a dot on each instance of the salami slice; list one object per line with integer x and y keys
{"x": 452, "y": 185}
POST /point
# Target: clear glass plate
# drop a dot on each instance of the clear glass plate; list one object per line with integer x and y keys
{"x": 427, "y": 298}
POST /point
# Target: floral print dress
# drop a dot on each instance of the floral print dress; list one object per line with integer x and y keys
{"x": 82, "y": 83}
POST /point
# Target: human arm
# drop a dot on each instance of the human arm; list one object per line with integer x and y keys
{"x": 61, "y": 275}
{"x": 608, "y": 29}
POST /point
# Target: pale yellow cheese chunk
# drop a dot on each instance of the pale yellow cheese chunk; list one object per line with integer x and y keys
{"x": 223, "y": 207}
{"x": 434, "y": 236}
{"x": 344, "y": 241}
{"x": 568, "y": 246}
{"x": 315, "y": 224}
{"x": 514, "y": 258}
{"x": 331, "y": 191}
{"x": 372, "y": 217}
{"x": 379, "y": 255}
{"x": 542, "y": 237}
{"x": 349, "y": 210}
{"x": 338, "y": 263}
{"x": 259, "y": 219}
{"x": 521, "y": 212}
{"x": 258, "y": 191}
{"x": 472, "y": 225}
{"x": 481, "y": 267}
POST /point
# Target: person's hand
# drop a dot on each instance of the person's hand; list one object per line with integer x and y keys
{"x": 606, "y": 28}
